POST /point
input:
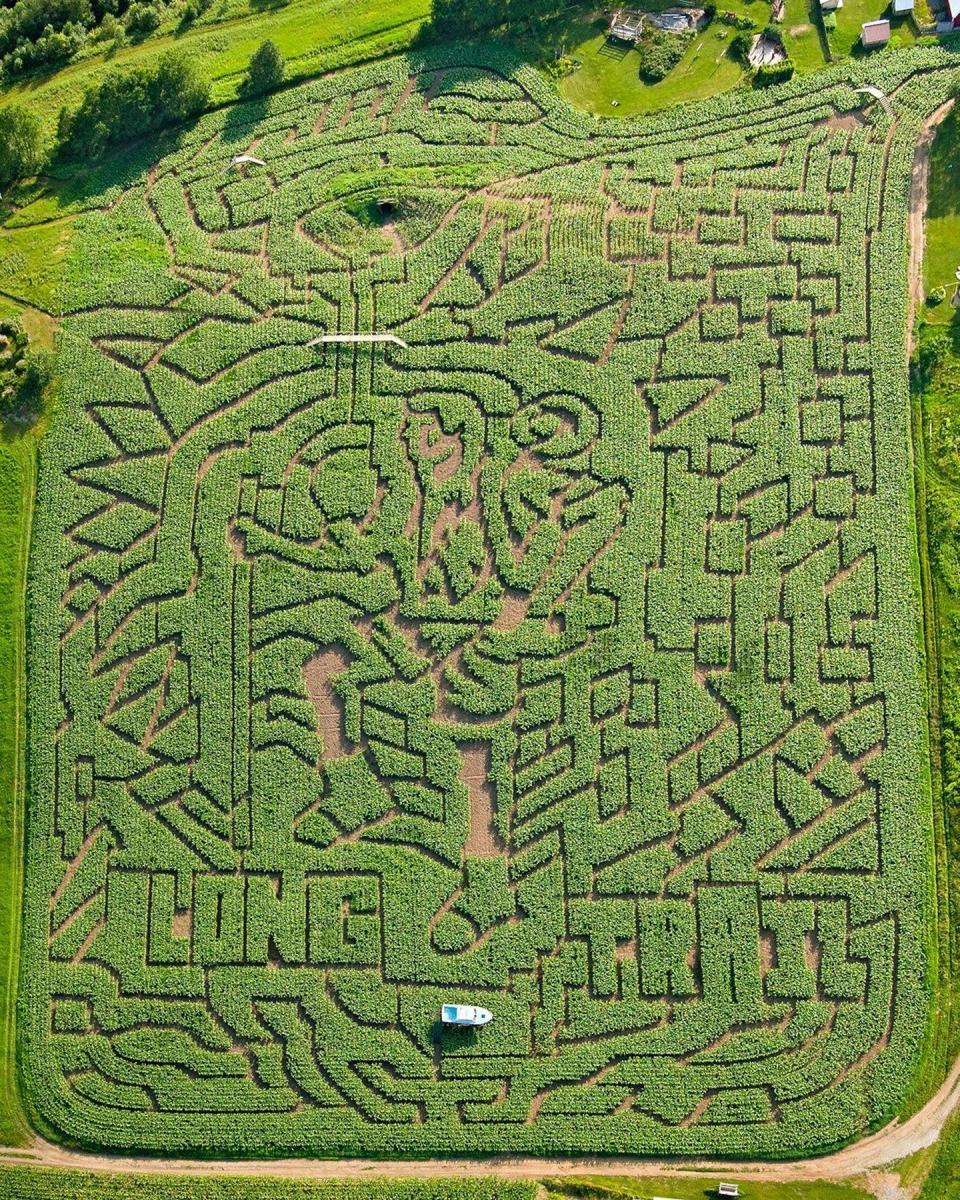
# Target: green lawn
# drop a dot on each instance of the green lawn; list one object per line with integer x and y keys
{"x": 31, "y": 261}
{"x": 612, "y": 72}
{"x": 26, "y": 1183}
{"x": 943, "y": 1181}
{"x": 803, "y": 34}
{"x": 30, "y": 265}
{"x": 943, "y": 218}
{"x": 845, "y": 39}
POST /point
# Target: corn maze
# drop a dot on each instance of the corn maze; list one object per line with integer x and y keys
{"x": 563, "y": 662}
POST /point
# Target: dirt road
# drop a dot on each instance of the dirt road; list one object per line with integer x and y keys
{"x": 919, "y": 182}
{"x": 862, "y": 1159}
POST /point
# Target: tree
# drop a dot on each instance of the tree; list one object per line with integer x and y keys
{"x": 265, "y": 71}
{"x": 741, "y": 46}
{"x": 456, "y": 19}
{"x": 177, "y": 90}
{"x": 21, "y": 143}
{"x": 142, "y": 19}
{"x": 930, "y": 355}
{"x": 34, "y": 381}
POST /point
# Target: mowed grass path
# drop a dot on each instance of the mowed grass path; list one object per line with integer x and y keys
{"x": 17, "y": 483}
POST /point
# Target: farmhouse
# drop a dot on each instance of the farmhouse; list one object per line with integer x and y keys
{"x": 875, "y": 33}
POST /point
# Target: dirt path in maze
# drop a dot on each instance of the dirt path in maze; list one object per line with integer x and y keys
{"x": 919, "y": 183}
{"x": 861, "y": 1160}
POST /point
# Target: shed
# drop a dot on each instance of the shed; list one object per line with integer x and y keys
{"x": 626, "y": 24}
{"x": 902, "y": 7}
{"x": 875, "y": 33}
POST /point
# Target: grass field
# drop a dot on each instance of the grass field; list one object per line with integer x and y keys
{"x": 612, "y": 1188}
{"x": 940, "y": 423}
{"x": 28, "y": 1183}
{"x": 17, "y": 477}
{"x": 803, "y": 34}
{"x": 845, "y": 39}
{"x": 943, "y": 220}
{"x": 385, "y": 675}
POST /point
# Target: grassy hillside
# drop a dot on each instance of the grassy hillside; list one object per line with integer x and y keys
{"x": 313, "y": 35}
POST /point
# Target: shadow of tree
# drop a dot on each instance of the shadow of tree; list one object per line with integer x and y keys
{"x": 242, "y": 119}
{"x": 943, "y": 198}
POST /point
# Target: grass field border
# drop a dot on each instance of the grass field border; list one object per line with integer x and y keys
{"x": 18, "y": 468}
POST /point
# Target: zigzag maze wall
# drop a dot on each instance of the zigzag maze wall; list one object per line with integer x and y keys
{"x": 565, "y": 662}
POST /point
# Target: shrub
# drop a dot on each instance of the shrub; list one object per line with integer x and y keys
{"x": 772, "y": 73}
{"x": 741, "y": 46}
{"x": 34, "y": 380}
{"x": 660, "y": 54}
{"x": 142, "y": 18}
{"x": 25, "y": 374}
{"x": 194, "y": 9}
{"x": 931, "y": 353}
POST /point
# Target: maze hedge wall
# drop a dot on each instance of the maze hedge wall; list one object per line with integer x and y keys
{"x": 565, "y": 662}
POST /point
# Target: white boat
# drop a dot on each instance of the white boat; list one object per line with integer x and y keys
{"x": 464, "y": 1014}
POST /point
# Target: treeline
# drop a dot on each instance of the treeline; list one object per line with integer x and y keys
{"x": 452, "y": 17}
{"x": 40, "y": 33}
{"x": 121, "y": 106}
{"x": 124, "y": 105}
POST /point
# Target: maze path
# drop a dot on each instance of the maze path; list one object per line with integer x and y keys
{"x": 563, "y": 661}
